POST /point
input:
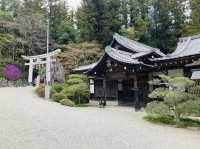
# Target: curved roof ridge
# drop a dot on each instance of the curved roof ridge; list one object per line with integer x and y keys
{"x": 131, "y": 43}
{"x": 90, "y": 66}
{"x": 181, "y": 46}
{"x": 135, "y": 45}
{"x": 187, "y": 46}
{"x": 121, "y": 56}
{"x": 86, "y": 67}
{"x": 130, "y": 60}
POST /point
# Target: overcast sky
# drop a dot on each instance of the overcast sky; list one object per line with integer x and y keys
{"x": 74, "y": 3}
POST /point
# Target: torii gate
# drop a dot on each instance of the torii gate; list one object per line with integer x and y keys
{"x": 38, "y": 60}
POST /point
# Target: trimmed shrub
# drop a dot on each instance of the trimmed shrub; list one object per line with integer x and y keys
{"x": 176, "y": 101}
{"x": 79, "y": 93}
{"x": 76, "y": 89}
{"x": 57, "y": 88}
{"x": 41, "y": 90}
{"x": 58, "y": 96}
{"x": 74, "y": 81}
{"x": 75, "y": 76}
{"x": 67, "y": 102}
{"x": 190, "y": 107}
{"x": 157, "y": 108}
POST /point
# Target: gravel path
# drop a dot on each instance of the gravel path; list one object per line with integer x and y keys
{"x": 28, "y": 122}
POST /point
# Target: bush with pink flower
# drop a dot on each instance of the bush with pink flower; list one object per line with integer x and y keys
{"x": 12, "y": 72}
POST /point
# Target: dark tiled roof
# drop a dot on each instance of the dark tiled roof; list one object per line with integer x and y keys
{"x": 187, "y": 46}
{"x": 121, "y": 56}
{"x": 135, "y": 46}
{"x": 118, "y": 55}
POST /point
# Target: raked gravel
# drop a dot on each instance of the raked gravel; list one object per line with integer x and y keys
{"x": 28, "y": 122}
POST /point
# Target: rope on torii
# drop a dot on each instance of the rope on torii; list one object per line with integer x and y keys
{"x": 38, "y": 60}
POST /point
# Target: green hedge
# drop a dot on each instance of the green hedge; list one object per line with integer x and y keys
{"x": 74, "y": 81}
{"x": 58, "y": 96}
{"x": 57, "y": 88}
{"x": 76, "y": 89}
{"x": 75, "y": 76}
{"x": 67, "y": 102}
{"x": 79, "y": 93}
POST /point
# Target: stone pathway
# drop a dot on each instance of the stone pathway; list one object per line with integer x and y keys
{"x": 28, "y": 122}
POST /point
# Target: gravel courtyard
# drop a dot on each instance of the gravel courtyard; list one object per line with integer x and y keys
{"x": 28, "y": 122}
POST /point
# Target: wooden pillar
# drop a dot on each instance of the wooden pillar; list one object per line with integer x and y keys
{"x": 104, "y": 87}
{"x": 136, "y": 92}
{"x": 150, "y": 75}
{"x": 30, "y": 72}
{"x": 120, "y": 89}
{"x": 135, "y": 81}
{"x": 105, "y": 93}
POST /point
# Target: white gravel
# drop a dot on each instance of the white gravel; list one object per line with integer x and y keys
{"x": 28, "y": 122}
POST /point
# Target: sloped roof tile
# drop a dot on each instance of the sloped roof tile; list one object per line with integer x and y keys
{"x": 135, "y": 46}
{"x": 121, "y": 56}
{"x": 187, "y": 46}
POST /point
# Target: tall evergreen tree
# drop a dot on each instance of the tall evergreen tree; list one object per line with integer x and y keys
{"x": 33, "y": 7}
{"x": 138, "y": 20}
{"x": 195, "y": 6}
{"x": 166, "y": 24}
{"x": 12, "y": 6}
{"x": 125, "y": 13}
{"x": 99, "y": 19}
{"x": 192, "y": 26}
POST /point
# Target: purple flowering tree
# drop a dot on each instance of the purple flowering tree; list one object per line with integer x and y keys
{"x": 11, "y": 72}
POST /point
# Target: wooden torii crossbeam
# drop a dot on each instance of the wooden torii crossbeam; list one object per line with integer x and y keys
{"x": 38, "y": 60}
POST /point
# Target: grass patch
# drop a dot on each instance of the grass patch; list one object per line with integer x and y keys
{"x": 186, "y": 122}
{"x": 169, "y": 120}
{"x": 70, "y": 103}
